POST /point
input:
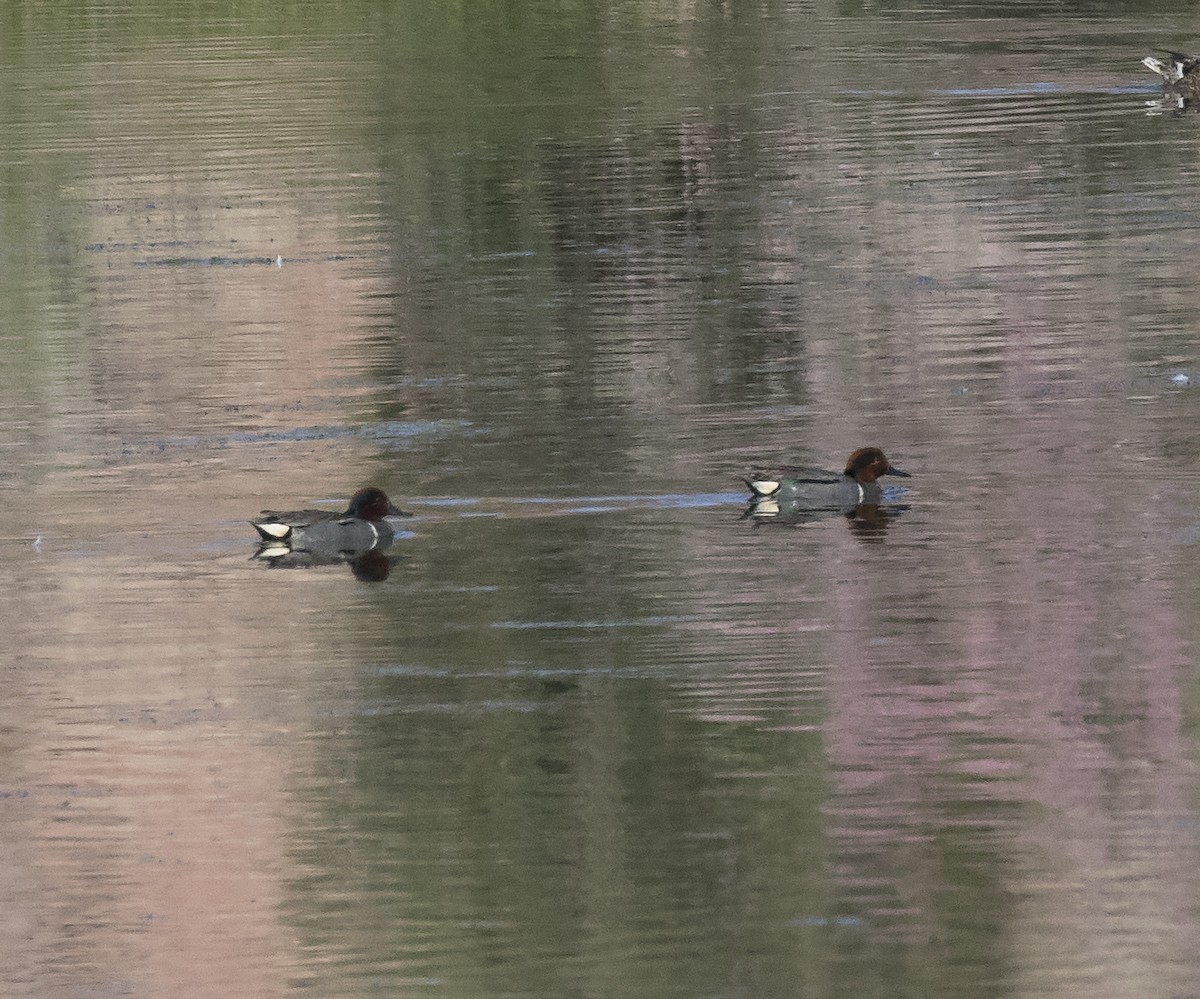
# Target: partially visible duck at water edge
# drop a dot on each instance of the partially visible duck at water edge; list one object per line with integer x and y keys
{"x": 1180, "y": 76}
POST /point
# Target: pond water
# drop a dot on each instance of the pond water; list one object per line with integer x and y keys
{"x": 555, "y": 276}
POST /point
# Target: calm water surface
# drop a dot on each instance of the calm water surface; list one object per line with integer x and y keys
{"x": 554, "y": 277}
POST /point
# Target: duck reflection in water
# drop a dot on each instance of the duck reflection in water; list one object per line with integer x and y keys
{"x": 372, "y": 566}
{"x": 1181, "y": 81}
{"x": 796, "y": 494}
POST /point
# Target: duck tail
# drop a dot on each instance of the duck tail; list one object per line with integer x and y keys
{"x": 1157, "y": 66}
{"x": 270, "y": 530}
{"x": 761, "y": 487}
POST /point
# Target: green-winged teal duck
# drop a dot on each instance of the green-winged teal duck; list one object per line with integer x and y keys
{"x": 370, "y": 521}
{"x": 1180, "y": 74}
{"x": 819, "y": 489}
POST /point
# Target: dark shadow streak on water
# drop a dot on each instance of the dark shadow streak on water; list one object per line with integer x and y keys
{"x": 637, "y": 622}
{"x": 390, "y": 430}
{"x": 589, "y": 504}
{"x": 1019, "y": 90}
{"x": 277, "y": 261}
{"x": 503, "y": 673}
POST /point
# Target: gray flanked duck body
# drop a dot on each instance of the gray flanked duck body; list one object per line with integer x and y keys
{"x": 370, "y": 522}
{"x": 802, "y": 488}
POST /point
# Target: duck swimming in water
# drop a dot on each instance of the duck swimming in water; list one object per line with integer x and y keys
{"x": 1180, "y": 75}
{"x": 818, "y": 489}
{"x": 370, "y": 521}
